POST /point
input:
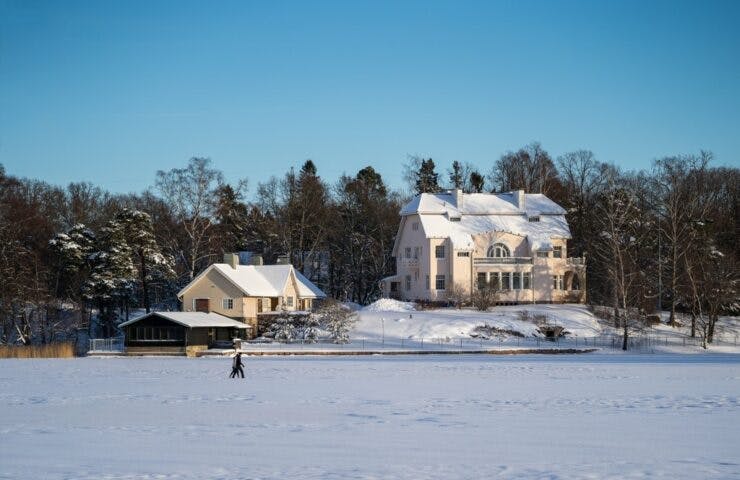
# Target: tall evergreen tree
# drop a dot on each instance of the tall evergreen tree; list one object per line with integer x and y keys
{"x": 476, "y": 181}
{"x": 147, "y": 257}
{"x": 111, "y": 282}
{"x": 457, "y": 179}
{"x": 427, "y": 179}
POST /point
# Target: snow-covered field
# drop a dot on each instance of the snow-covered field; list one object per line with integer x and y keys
{"x": 468, "y": 416}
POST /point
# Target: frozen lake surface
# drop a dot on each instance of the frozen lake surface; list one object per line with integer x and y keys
{"x": 583, "y": 416}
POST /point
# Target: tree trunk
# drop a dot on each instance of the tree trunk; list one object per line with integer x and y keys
{"x": 693, "y": 324}
{"x": 674, "y": 281}
{"x": 710, "y": 329}
{"x": 144, "y": 283}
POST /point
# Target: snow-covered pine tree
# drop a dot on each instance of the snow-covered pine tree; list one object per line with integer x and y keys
{"x": 113, "y": 275}
{"x": 72, "y": 251}
{"x": 148, "y": 260}
{"x": 336, "y": 319}
{"x": 283, "y": 328}
{"x": 311, "y": 328}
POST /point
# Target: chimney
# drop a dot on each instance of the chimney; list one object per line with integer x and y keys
{"x": 283, "y": 260}
{"x": 458, "y": 193}
{"x": 519, "y": 199}
{"x": 231, "y": 259}
{"x": 256, "y": 259}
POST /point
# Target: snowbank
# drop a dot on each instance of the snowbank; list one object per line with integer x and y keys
{"x": 390, "y": 305}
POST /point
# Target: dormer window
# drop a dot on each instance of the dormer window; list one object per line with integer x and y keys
{"x": 415, "y": 226}
{"x": 534, "y": 218}
{"x": 454, "y": 219}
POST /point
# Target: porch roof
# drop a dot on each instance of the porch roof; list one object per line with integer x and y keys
{"x": 193, "y": 320}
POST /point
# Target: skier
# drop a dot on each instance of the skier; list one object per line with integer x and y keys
{"x": 236, "y": 366}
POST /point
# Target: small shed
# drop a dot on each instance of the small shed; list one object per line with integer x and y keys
{"x": 178, "y": 332}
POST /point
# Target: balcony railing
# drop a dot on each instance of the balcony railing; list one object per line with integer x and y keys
{"x": 502, "y": 260}
{"x": 410, "y": 262}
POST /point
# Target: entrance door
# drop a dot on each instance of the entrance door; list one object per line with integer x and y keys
{"x": 202, "y": 305}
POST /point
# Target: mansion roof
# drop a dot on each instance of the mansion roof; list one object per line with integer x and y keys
{"x": 538, "y": 218}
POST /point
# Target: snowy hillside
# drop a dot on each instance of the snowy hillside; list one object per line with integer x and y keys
{"x": 401, "y": 320}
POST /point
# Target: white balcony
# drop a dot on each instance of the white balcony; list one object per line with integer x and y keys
{"x": 502, "y": 260}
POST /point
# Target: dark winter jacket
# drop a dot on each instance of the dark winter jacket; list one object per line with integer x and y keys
{"x": 237, "y": 361}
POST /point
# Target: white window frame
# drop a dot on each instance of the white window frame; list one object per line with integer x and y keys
{"x": 557, "y": 252}
{"x": 408, "y": 252}
{"x": 227, "y": 303}
{"x": 498, "y": 250}
{"x": 439, "y": 251}
{"x": 437, "y": 282}
{"x": 408, "y": 282}
{"x": 507, "y": 285}
{"x": 427, "y": 282}
{"x": 289, "y": 301}
{"x": 415, "y": 226}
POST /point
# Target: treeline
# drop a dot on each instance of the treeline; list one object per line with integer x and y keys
{"x": 71, "y": 254}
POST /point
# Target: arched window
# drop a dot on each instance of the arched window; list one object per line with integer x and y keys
{"x": 498, "y": 250}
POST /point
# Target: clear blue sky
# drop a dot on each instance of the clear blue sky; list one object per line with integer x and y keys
{"x": 111, "y": 91}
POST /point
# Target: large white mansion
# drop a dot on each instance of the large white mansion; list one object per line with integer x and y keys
{"x": 461, "y": 241}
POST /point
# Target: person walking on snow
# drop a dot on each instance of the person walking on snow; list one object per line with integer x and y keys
{"x": 236, "y": 366}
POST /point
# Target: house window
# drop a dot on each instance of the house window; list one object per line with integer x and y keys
{"x": 517, "y": 281}
{"x": 535, "y": 218}
{"x": 416, "y": 276}
{"x": 427, "y": 282}
{"x": 408, "y": 252}
{"x": 526, "y": 281}
{"x": 439, "y": 251}
{"x": 417, "y": 252}
{"x": 454, "y": 219}
{"x": 494, "y": 279}
{"x": 227, "y": 303}
{"x": 505, "y": 281}
{"x": 408, "y": 282}
{"x": 463, "y": 254}
{"x": 482, "y": 280}
{"x": 498, "y": 250}
{"x": 557, "y": 282}
{"x": 543, "y": 254}
{"x": 415, "y": 226}
{"x": 440, "y": 282}
{"x": 289, "y": 301}
{"x": 557, "y": 252}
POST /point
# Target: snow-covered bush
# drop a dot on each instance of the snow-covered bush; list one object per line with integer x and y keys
{"x": 283, "y": 328}
{"x": 311, "y": 329}
{"x": 336, "y": 319}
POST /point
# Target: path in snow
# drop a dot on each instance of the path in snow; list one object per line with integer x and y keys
{"x": 592, "y": 416}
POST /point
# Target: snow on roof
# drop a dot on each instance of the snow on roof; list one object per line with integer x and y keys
{"x": 264, "y": 280}
{"x": 306, "y": 287}
{"x": 482, "y": 204}
{"x": 193, "y": 319}
{"x": 487, "y": 212}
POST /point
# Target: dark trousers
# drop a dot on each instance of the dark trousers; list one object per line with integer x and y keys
{"x": 235, "y": 371}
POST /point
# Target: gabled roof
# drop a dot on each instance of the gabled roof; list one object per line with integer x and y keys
{"x": 192, "y": 319}
{"x": 488, "y": 212}
{"x": 262, "y": 280}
